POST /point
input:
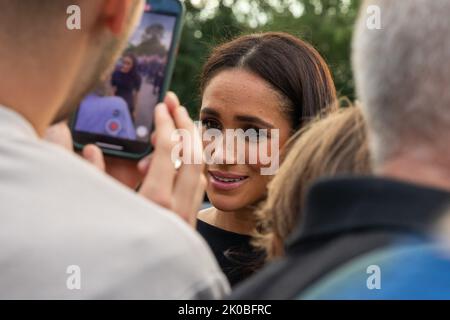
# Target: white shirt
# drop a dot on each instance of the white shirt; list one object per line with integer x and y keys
{"x": 64, "y": 224}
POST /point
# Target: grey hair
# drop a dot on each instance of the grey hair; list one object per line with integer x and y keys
{"x": 402, "y": 75}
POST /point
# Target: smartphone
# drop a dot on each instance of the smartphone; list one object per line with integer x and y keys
{"x": 118, "y": 115}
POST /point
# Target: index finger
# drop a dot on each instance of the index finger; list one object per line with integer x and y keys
{"x": 159, "y": 181}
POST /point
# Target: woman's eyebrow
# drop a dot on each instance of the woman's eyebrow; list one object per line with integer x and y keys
{"x": 209, "y": 111}
{"x": 255, "y": 120}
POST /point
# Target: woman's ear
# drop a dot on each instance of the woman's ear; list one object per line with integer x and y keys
{"x": 115, "y": 13}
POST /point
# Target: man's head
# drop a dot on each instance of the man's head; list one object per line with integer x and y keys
{"x": 403, "y": 76}
{"x": 45, "y": 68}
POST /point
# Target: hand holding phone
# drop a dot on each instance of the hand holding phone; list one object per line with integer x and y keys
{"x": 179, "y": 190}
{"x": 124, "y": 170}
{"x": 118, "y": 115}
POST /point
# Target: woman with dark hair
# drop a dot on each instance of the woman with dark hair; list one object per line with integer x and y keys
{"x": 126, "y": 81}
{"x": 260, "y": 81}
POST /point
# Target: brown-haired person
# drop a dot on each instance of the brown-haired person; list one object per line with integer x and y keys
{"x": 353, "y": 228}
{"x": 334, "y": 145}
{"x": 259, "y": 81}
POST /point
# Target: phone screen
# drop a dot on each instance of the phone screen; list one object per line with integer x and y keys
{"x": 122, "y": 107}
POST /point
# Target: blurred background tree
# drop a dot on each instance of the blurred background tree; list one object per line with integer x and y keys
{"x": 327, "y": 24}
{"x": 151, "y": 42}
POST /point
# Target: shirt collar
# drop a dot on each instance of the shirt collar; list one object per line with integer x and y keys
{"x": 340, "y": 205}
{"x": 11, "y": 122}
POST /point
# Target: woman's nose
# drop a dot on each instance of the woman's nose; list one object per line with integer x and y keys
{"x": 229, "y": 151}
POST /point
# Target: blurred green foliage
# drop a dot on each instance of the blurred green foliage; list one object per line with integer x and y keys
{"x": 327, "y": 24}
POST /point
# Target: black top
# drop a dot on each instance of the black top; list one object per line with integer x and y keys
{"x": 126, "y": 84}
{"x": 343, "y": 219}
{"x": 234, "y": 253}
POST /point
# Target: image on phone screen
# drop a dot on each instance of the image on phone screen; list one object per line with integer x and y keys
{"x": 122, "y": 107}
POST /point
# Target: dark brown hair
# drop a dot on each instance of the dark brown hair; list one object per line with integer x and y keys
{"x": 291, "y": 66}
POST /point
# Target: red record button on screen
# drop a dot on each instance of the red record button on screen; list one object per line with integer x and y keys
{"x": 113, "y": 127}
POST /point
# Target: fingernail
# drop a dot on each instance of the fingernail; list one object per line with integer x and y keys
{"x": 161, "y": 107}
{"x": 184, "y": 111}
{"x": 143, "y": 163}
{"x": 170, "y": 93}
{"x": 88, "y": 153}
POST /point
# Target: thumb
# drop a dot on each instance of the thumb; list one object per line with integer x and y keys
{"x": 94, "y": 155}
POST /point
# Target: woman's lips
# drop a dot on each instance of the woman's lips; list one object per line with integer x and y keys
{"x": 226, "y": 181}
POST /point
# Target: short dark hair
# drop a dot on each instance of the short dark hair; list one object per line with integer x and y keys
{"x": 291, "y": 66}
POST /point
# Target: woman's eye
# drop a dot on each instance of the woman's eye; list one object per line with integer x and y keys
{"x": 211, "y": 124}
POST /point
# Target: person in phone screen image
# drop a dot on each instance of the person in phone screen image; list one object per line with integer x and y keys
{"x": 126, "y": 81}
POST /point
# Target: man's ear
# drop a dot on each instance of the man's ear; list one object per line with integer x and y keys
{"x": 115, "y": 13}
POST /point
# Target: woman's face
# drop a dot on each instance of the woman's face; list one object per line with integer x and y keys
{"x": 237, "y": 99}
{"x": 127, "y": 64}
